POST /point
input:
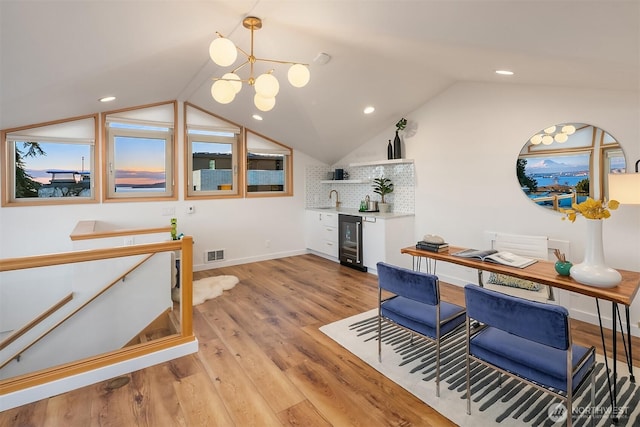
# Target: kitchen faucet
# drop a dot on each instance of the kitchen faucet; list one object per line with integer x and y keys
{"x": 337, "y": 198}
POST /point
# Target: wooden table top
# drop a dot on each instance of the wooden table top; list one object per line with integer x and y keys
{"x": 541, "y": 272}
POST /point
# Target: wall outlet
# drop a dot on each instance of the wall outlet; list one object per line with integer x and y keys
{"x": 191, "y": 209}
{"x": 129, "y": 241}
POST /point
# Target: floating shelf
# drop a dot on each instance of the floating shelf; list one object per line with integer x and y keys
{"x": 345, "y": 181}
{"x": 381, "y": 162}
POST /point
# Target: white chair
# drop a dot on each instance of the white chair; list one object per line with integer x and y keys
{"x": 537, "y": 247}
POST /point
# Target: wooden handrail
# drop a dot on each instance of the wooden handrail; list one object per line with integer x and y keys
{"x": 87, "y": 230}
{"x": 47, "y": 260}
{"x": 74, "y": 311}
{"x": 17, "y": 334}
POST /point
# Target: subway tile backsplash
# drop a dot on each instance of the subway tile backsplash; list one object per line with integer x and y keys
{"x": 402, "y": 175}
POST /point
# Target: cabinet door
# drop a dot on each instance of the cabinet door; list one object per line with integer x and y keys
{"x": 373, "y": 241}
{"x": 313, "y": 231}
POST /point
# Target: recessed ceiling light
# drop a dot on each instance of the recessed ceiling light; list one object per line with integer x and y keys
{"x": 369, "y": 109}
{"x": 107, "y": 99}
{"x": 257, "y": 117}
{"x": 504, "y": 72}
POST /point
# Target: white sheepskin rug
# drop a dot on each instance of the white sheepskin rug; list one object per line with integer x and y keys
{"x": 207, "y": 288}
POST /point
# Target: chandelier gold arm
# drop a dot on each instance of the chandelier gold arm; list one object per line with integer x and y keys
{"x": 280, "y": 62}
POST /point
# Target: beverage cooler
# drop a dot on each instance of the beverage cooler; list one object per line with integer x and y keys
{"x": 350, "y": 241}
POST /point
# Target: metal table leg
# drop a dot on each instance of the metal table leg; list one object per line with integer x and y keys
{"x": 606, "y": 360}
{"x": 617, "y": 319}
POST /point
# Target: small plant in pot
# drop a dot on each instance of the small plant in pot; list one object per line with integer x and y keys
{"x": 382, "y": 186}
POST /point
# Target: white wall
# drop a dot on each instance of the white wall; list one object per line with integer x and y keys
{"x": 465, "y": 150}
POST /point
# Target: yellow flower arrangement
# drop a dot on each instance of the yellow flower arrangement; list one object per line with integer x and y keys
{"x": 591, "y": 209}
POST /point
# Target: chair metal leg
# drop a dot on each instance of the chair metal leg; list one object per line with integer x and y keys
{"x": 468, "y": 326}
{"x": 438, "y": 368}
{"x": 379, "y": 326}
{"x": 593, "y": 397}
{"x": 438, "y": 337}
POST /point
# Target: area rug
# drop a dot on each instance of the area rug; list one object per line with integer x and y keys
{"x": 207, "y": 288}
{"x": 411, "y": 365}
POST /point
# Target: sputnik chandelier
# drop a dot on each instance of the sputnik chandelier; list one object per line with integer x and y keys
{"x": 547, "y": 136}
{"x": 224, "y": 53}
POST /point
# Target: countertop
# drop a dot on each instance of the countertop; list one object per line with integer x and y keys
{"x": 353, "y": 211}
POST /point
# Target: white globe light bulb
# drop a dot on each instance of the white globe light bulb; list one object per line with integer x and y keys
{"x": 550, "y": 129}
{"x": 547, "y": 140}
{"x": 536, "y": 139}
{"x": 264, "y": 103}
{"x": 222, "y": 91}
{"x": 561, "y": 137}
{"x": 298, "y": 75}
{"x": 234, "y": 80}
{"x": 569, "y": 129}
{"x": 223, "y": 52}
{"x": 267, "y": 85}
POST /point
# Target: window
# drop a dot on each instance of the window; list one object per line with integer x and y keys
{"x": 52, "y": 163}
{"x": 211, "y": 155}
{"x": 269, "y": 167}
{"x": 140, "y": 153}
{"x": 614, "y": 162}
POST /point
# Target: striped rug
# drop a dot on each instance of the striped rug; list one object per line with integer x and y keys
{"x": 411, "y": 365}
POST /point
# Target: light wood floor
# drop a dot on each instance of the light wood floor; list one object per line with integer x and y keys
{"x": 262, "y": 362}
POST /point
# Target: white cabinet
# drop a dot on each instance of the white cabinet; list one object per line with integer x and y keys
{"x": 382, "y": 240}
{"x": 321, "y": 232}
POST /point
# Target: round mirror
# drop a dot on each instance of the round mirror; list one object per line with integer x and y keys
{"x": 566, "y": 163}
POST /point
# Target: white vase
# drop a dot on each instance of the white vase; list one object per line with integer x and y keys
{"x": 592, "y": 270}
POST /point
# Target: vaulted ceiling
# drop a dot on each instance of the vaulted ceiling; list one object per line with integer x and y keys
{"x": 59, "y": 57}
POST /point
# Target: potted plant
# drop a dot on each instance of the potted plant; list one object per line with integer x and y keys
{"x": 382, "y": 186}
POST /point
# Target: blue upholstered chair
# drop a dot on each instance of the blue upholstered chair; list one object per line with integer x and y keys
{"x": 416, "y": 306}
{"x": 528, "y": 340}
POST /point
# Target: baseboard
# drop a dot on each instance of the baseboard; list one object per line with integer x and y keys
{"x": 53, "y": 388}
{"x": 246, "y": 260}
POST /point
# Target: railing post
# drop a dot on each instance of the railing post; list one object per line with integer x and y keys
{"x": 186, "y": 286}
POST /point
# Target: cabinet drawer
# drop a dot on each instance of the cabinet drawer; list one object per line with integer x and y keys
{"x": 330, "y": 248}
{"x": 330, "y": 234}
{"x": 329, "y": 219}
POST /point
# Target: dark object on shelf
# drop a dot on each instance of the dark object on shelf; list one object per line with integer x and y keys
{"x": 397, "y": 148}
{"x": 339, "y": 174}
{"x": 432, "y": 247}
{"x": 389, "y": 151}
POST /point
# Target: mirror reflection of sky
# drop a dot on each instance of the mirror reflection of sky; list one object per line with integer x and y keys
{"x": 557, "y": 163}
{"x": 567, "y": 164}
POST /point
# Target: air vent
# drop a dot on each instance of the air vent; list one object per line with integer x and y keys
{"x": 215, "y": 255}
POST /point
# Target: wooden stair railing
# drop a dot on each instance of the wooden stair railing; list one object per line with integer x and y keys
{"x": 16, "y": 355}
{"x": 185, "y": 246}
{"x": 36, "y": 320}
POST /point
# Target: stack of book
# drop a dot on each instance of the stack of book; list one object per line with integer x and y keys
{"x": 432, "y": 247}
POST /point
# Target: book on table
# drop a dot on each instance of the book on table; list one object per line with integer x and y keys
{"x": 432, "y": 247}
{"x": 500, "y": 257}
